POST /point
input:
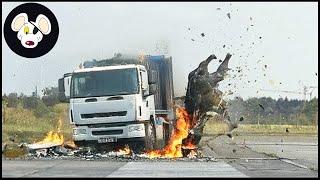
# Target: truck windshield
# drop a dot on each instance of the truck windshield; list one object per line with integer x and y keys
{"x": 105, "y": 83}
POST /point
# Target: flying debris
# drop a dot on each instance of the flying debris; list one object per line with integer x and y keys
{"x": 229, "y": 16}
{"x": 261, "y": 106}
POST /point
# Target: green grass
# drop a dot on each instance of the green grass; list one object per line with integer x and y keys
{"x": 26, "y": 127}
{"x": 245, "y": 129}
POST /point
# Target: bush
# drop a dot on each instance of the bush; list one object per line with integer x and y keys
{"x": 30, "y": 102}
{"x": 13, "y": 100}
{"x": 51, "y": 97}
{"x": 50, "y": 100}
{"x": 42, "y": 110}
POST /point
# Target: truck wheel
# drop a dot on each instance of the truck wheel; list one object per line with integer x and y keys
{"x": 150, "y": 139}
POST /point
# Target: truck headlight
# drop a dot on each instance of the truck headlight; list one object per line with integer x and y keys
{"x": 136, "y": 128}
{"x": 79, "y": 131}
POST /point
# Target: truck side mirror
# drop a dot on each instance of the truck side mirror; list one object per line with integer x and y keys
{"x": 62, "y": 96}
{"x": 152, "y": 77}
{"x": 152, "y": 89}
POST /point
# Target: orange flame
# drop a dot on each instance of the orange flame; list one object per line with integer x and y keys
{"x": 126, "y": 150}
{"x": 181, "y": 131}
{"x": 54, "y": 137}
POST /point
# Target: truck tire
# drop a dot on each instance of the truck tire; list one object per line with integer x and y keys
{"x": 150, "y": 139}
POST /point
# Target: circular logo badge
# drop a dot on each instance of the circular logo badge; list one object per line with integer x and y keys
{"x": 31, "y": 30}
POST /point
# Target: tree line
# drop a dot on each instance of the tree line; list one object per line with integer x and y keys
{"x": 40, "y": 106}
{"x": 265, "y": 110}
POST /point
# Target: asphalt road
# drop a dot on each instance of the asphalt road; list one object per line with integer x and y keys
{"x": 233, "y": 159}
{"x": 302, "y": 150}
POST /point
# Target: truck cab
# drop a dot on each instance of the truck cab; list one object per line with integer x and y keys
{"x": 115, "y": 104}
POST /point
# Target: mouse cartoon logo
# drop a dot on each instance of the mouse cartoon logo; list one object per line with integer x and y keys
{"x": 30, "y": 33}
{"x": 31, "y": 30}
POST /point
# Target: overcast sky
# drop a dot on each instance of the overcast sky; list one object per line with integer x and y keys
{"x": 283, "y": 36}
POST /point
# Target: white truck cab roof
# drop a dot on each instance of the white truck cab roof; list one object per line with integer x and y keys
{"x": 109, "y": 68}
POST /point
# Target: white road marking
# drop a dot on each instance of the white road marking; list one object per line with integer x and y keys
{"x": 177, "y": 169}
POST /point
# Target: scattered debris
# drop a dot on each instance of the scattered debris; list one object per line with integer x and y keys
{"x": 229, "y": 16}
{"x": 224, "y": 46}
{"x": 218, "y": 9}
{"x": 202, "y": 34}
{"x": 41, "y": 152}
{"x": 192, "y": 39}
{"x": 261, "y": 106}
{"x": 234, "y": 150}
{"x": 241, "y": 118}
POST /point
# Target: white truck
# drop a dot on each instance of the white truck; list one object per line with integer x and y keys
{"x": 121, "y": 101}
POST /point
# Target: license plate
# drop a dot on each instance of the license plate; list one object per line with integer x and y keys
{"x": 106, "y": 140}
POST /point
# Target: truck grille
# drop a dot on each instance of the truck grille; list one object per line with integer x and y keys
{"x": 98, "y": 115}
{"x": 109, "y": 132}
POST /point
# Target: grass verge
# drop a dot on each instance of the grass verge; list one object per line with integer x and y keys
{"x": 245, "y": 129}
{"x": 24, "y": 127}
